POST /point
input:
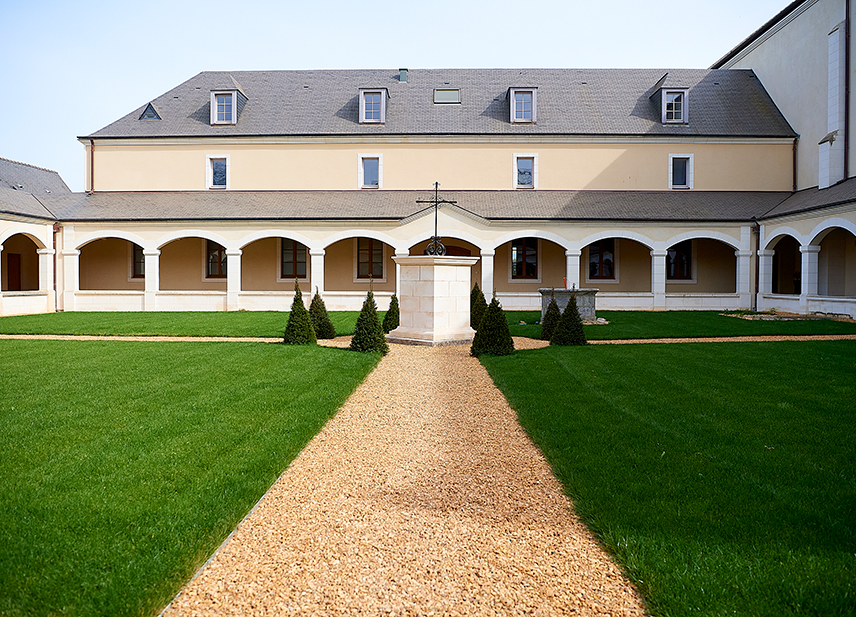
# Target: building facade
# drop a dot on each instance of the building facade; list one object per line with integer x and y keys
{"x": 664, "y": 189}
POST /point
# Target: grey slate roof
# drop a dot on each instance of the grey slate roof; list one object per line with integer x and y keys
{"x": 21, "y": 203}
{"x": 814, "y": 198}
{"x": 569, "y": 102}
{"x": 31, "y": 179}
{"x": 396, "y": 205}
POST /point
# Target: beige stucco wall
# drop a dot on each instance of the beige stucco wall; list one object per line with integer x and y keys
{"x": 260, "y": 268}
{"x": 793, "y": 67}
{"x": 407, "y": 165}
{"x": 106, "y": 264}
{"x": 182, "y": 267}
{"x": 837, "y": 264}
{"x": 715, "y": 269}
{"x": 339, "y": 269}
{"x": 26, "y": 248}
{"x": 633, "y": 269}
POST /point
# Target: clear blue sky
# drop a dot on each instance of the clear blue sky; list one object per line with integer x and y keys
{"x": 70, "y": 68}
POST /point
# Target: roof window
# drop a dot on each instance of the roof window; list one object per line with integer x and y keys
{"x": 523, "y": 104}
{"x": 373, "y": 105}
{"x": 447, "y": 95}
{"x": 150, "y": 113}
{"x": 674, "y": 109}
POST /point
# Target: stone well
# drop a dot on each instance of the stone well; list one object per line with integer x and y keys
{"x": 585, "y": 301}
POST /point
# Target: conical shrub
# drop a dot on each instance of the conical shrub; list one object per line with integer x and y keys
{"x": 493, "y": 337}
{"x": 392, "y": 317}
{"x": 320, "y": 319}
{"x": 551, "y": 319}
{"x": 299, "y": 330}
{"x": 478, "y": 306}
{"x": 570, "y": 331}
{"x": 368, "y": 334}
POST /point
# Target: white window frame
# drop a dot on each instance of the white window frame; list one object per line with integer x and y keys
{"x": 615, "y": 261}
{"x": 539, "y": 252}
{"x": 383, "y": 97}
{"x": 693, "y": 280}
{"x": 360, "y": 180}
{"x": 685, "y": 116}
{"x": 279, "y": 279}
{"x": 690, "y": 171}
{"x": 209, "y": 171}
{"x": 214, "y": 95}
{"x": 534, "y": 92}
{"x": 131, "y": 277}
{"x": 386, "y": 249}
{"x": 524, "y": 155}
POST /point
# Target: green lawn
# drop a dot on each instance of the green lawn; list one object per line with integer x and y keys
{"x": 679, "y": 324}
{"x": 233, "y": 323}
{"x": 125, "y": 464}
{"x": 723, "y": 477}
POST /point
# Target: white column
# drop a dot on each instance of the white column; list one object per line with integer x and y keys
{"x": 316, "y": 271}
{"x": 71, "y": 278}
{"x": 1, "y": 293}
{"x": 658, "y": 279}
{"x": 233, "y": 279}
{"x": 46, "y": 276}
{"x": 398, "y": 273}
{"x": 152, "y": 279}
{"x": 744, "y": 278}
{"x": 487, "y": 274}
{"x": 572, "y": 268}
{"x": 765, "y": 276}
{"x": 808, "y": 274}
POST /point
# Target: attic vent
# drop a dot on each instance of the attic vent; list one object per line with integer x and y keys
{"x": 149, "y": 113}
{"x": 447, "y": 95}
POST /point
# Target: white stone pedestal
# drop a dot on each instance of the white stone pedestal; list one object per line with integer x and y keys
{"x": 434, "y": 300}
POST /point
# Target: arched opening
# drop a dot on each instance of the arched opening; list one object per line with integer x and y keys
{"x": 526, "y": 264}
{"x": 616, "y": 264}
{"x": 787, "y": 266}
{"x": 455, "y": 248}
{"x": 836, "y": 264}
{"x": 20, "y": 264}
{"x": 353, "y": 263}
{"x": 193, "y": 264}
{"x": 701, "y": 265}
{"x": 112, "y": 264}
{"x": 274, "y": 264}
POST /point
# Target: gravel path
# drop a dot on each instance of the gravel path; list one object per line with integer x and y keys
{"x": 422, "y": 496}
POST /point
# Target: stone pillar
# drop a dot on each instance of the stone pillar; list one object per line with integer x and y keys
{"x": 152, "y": 279}
{"x": 46, "y": 276}
{"x": 398, "y": 273}
{"x": 316, "y": 270}
{"x": 434, "y": 301}
{"x": 70, "y": 277}
{"x": 233, "y": 279}
{"x": 658, "y": 279}
{"x": 808, "y": 274}
{"x": 572, "y": 268}
{"x": 765, "y": 276}
{"x": 487, "y": 273}
{"x": 744, "y": 278}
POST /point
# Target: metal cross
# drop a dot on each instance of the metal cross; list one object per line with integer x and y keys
{"x": 435, "y": 246}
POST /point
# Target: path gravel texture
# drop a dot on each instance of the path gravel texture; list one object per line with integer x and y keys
{"x": 422, "y": 496}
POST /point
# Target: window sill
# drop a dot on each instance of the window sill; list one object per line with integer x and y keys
{"x": 525, "y": 187}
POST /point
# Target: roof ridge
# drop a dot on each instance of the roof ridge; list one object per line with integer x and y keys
{"x": 28, "y": 165}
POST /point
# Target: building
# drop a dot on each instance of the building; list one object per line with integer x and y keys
{"x": 665, "y": 189}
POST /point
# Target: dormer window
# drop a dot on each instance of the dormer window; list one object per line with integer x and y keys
{"x": 223, "y": 107}
{"x": 523, "y": 104}
{"x": 674, "y": 107}
{"x": 373, "y": 106}
{"x": 150, "y": 113}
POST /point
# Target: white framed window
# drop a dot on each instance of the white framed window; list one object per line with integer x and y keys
{"x": 373, "y": 106}
{"x": 370, "y": 171}
{"x": 675, "y": 109}
{"x": 524, "y": 260}
{"x": 601, "y": 261}
{"x": 224, "y": 107}
{"x": 523, "y": 103}
{"x": 681, "y": 263}
{"x": 680, "y": 171}
{"x": 525, "y": 171}
{"x": 217, "y": 171}
{"x": 136, "y": 262}
{"x": 293, "y": 260}
{"x": 447, "y": 95}
{"x": 370, "y": 258}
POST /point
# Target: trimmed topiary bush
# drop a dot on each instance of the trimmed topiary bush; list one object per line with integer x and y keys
{"x": 493, "y": 337}
{"x": 368, "y": 334}
{"x": 569, "y": 331}
{"x": 299, "y": 330}
{"x": 551, "y": 319}
{"x": 320, "y": 319}
{"x": 392, "y": 317}
{"x": 478, "y": 306}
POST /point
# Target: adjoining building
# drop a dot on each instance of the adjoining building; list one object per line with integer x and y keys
{"x": 665, "y": 189}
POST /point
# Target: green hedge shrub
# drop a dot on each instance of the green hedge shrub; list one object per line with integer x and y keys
{"x": 392, "y": 317}
{"x": 299, "y": 330}
{"x": 324, "y": 328}
{"x": 368, "y": 334}
{"x": 493, "y": 337}
{"x": 570, "y": 329}
{"x": 478, "y": 306}
{"x": 551, "y": 319}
